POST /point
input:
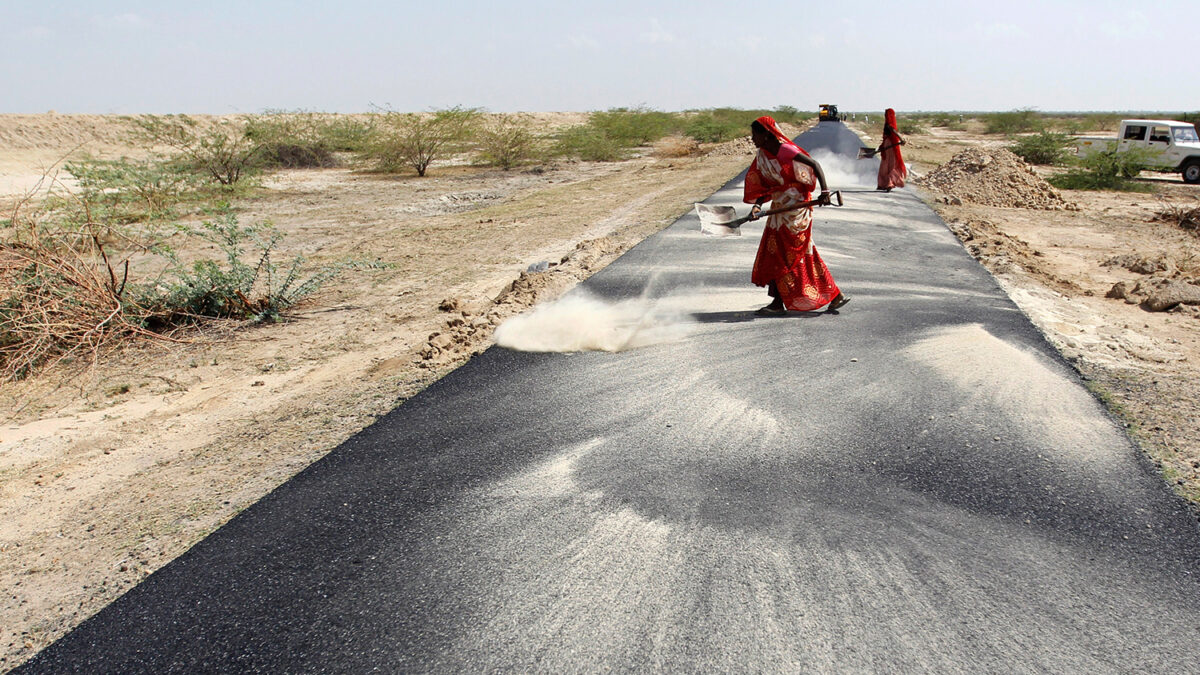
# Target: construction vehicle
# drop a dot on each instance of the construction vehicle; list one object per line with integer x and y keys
{"x": 828, "y": 113}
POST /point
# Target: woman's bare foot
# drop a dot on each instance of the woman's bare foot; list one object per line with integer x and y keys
{"x": 776, "y": 308}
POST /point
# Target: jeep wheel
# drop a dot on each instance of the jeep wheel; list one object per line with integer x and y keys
{"x": 1191, "y": 171}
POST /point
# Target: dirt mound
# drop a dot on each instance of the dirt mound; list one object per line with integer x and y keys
{"x": 676, "y": 146}
{"x": 1005, "y": 254}
{"x": 738, "y": 146}
{"x": 994, "y": 177}
{"x": 1158, "y": 294}
{"x": 1141, "y": 264}
{"x": 469, "y": 327}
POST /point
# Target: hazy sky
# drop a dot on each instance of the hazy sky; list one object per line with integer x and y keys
{"x": 218, "y": 56}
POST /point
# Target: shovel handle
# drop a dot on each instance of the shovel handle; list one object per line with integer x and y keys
{"x": 835, "y": 199}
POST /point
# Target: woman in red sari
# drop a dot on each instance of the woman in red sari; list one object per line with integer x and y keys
{"x": 787, "y": 263}
{"x": 891, "y": 164}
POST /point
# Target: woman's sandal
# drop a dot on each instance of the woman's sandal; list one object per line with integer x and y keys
{"x": 837, "y": 302}
{"x": 770, "y": 311}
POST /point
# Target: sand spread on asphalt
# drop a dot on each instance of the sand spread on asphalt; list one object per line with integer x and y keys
{"x": 581, "y": 322}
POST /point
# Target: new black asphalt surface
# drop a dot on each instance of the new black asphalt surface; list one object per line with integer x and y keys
{"x": 917, "y": 483}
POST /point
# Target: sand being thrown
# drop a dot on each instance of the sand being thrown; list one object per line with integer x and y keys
{"x": 582, "y": 322}
{"x": 845, "y": 172}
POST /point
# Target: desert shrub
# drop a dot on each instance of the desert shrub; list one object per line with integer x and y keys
{"x": 233, "y": 287}
{"x": 65, "y": 293}
{"x": 507, "y": 141}
{"x": 61, "y": 295}
{"x": 940, "y": 119}
{"x": 787, "y": 113}
{"x": 414, "y": 140}
{"x": 1186, "y": 217}
{"x": 54, "y": 304}
{"x": 290, "y": 140}
{"x": 343, "y": 133}
{"x": 1101, "y": 121}
{"x": 225, "y": 155}
{"x": 717, "y": 125}
{"x": 910, "y": 126}
{"x": 127, "y": 191}
{"x": 1012, "y": 122}
{"x": 589, "y": 144}
{"x": 1068, "y": 125}
{"x": 1045, "y": 147}
{"x": 1108, "y": 170}
{"x": 708, "y": 128}
{"x": 633, "y": 127}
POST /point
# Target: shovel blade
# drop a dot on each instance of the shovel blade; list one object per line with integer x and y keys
{"x": 718, "y": 221}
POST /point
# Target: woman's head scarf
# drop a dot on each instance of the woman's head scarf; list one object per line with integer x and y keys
{"x": 768, "y": 123}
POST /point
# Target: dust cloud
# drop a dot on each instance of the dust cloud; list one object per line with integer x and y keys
{"x": 847, "y": 172}
{"x": 581, "y": 322}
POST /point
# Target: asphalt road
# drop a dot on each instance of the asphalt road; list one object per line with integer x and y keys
{"x": 917, "y": 483}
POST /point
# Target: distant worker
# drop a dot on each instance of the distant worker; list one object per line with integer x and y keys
{"x": 891, "y": 163}
{"x": 787, "y": 262}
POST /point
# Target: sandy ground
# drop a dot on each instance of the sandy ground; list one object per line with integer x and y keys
{"x": 107, "y": 476}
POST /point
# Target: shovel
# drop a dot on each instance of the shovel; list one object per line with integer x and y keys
{"x": 867, "y": 153}
{"x": 723, "y": 220}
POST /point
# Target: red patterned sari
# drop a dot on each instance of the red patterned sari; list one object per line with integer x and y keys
{"x": 892, "y": 171}
{"x": 786, "y": 254}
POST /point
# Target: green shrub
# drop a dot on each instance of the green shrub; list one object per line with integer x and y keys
{"x": 910, "y": 126}
{"x": 414, "y": 140}
{"x": 787, "y": 113}
{"x": 633, "y": 127}
{"x": 233, "y": 288}
{"x": 1101, "y": 121}
{"x": 717, "y": 125}
{"x": 290, "y": 140}
{"x": 127, "y": 191}
{"x": 589, "y": 144}
{"x": 1045, "y": 147}
{"x": 343, "y": 133}
{"x": 222, "y": 154}
{"x": 1108, "y": 170}
{"x": 707, "y": 128}
{"x": 1012, "y": 122}
{"x": 941, "y": 119}
{"x": 507, "y": 141}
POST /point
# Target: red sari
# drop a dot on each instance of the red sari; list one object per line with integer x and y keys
{"x": 786, "y": 254}
{"x": 892, "y": 171}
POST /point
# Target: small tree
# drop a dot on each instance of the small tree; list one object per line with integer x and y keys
{"x": 225, "y": 155}
{"x": 507, "y": 141}
{"x": 416, "y": 139}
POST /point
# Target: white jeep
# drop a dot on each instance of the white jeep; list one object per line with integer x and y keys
{"x": 1170, "y": 146}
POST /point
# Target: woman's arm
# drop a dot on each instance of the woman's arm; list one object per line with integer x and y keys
{"x": 817, "y": 171}
{"x": 757, "y": 208}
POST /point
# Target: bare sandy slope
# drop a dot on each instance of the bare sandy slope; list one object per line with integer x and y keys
{"x": 105, "y": 478}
